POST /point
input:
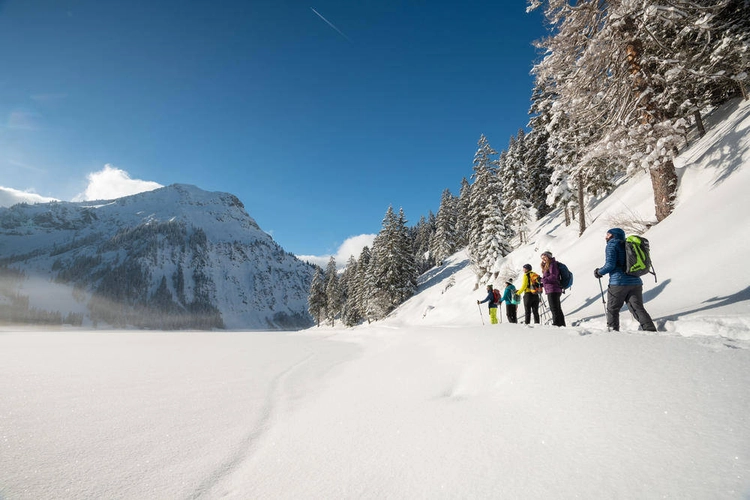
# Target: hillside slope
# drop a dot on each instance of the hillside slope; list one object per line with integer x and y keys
{"x": 703, "y": 283}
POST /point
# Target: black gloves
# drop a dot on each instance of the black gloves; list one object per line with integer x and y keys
{"x": 596, "y": 274}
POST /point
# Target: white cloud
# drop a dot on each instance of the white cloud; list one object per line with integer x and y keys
{"x": 10, "y": 196}
{"x": 351, "y": 246}
{"x": 111, "y": 183}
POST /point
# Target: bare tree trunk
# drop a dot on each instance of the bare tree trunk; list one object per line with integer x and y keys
{"x": 663, "y": 177}
{"x": 581, "y": 211}
{"x": 699, "y": 122}
{"x": 567, "y": 215}
{"x": 664, "y": 182}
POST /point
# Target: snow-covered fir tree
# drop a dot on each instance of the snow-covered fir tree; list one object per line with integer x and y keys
{"x": 462, "y": 214}
{"x": 364, "y": 287}
{"x": 537, "y": 164}
{"x": 423, "y": 234}
{"x": 351, "y": 313}
{"x": 445, "y": 241}
{"x": 488, "y": 234}
{"x": 316, "y": 300}
{"x": 334, "y": 295}
{"x": 514, "y": 175}
{"x": 393, "y": 269}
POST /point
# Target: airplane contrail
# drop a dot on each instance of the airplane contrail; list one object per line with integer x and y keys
{"x": 330, "y": 24}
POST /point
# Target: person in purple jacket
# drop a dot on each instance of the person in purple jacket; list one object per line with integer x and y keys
{"x": 551, "y": 284}
{"x": 623, "y": 288}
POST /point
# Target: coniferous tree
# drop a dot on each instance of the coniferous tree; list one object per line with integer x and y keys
{"x": 334, "y": 296}
{"x": 462, "y": 214}
{"x": 393, "y": 270}
{"x": 364, "y": 286}
{"x": 537, "y": 163}
{"x": 351, "y": 313}
{"x": 488, "y": 233}
{"x": 574, "y": 175}
{"x": 316, "y": 300}
{"x": 407, "y": 263}
{"x": 445, "y": 241}
{"x": 514, "y": 175}
{"x": 485, "y": 169}
{"x": 423, "y": 234}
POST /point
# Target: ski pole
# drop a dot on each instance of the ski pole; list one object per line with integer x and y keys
{"x": 546, "y": 313}
{"x": 480, "y": 314}
{"x": 604, "y": 302}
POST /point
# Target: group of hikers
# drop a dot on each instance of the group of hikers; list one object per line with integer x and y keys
{"x": 623, "y": 289}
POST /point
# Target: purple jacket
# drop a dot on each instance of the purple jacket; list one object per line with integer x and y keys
{"x": 551, "y": 278}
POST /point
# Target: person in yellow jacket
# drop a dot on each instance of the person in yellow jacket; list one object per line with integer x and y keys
{"x": 531, "y": 287}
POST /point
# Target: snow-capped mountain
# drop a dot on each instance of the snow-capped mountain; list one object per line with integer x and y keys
{"x": 175, "y": 257}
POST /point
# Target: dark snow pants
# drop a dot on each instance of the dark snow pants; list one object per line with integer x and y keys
{"x": 558, "y": 318}
{"x": 632, "y": 295}
{"x": 531, "y": 304}
{"x": 510, "y": 312}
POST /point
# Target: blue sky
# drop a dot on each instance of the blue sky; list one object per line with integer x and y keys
{"x": 318, "y": 116}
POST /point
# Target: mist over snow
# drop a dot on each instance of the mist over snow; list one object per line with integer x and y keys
{"x": 10, "y": 196}
{"x": 431, "y": 402}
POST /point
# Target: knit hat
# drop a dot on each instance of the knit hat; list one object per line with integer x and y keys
{"x": 527, "y": 266}
{"x": 548, "y": 254}
{"x": 617, "y": 233}
{"x": 509, "y": 282}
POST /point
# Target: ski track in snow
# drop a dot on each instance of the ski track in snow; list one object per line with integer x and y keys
{"x": 244, "y": 448}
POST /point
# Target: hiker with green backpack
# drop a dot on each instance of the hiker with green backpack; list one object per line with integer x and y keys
{"x": 624, "y": 287}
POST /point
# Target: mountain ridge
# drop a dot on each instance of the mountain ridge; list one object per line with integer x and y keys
{"x": 177, "y": 257}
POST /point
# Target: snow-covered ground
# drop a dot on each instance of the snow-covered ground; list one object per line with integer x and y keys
{"x": 430, "y": 403}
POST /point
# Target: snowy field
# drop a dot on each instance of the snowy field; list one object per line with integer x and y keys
{"x": 432, "y": 402}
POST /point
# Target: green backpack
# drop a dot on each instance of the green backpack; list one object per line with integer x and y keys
{"x": 638, "y": 257}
